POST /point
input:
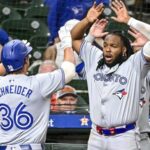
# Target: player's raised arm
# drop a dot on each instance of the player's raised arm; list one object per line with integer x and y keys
{"x": 121, "y": 12}
{"x": 141, "y": 41}
{"x": 122, "y": 16}
{"x": 68, "y": 64}
{"x": 97, "y": 30}
{"x": 78, "y": 31}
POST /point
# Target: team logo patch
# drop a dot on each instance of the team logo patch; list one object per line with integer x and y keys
{"x": 120, "y": 93}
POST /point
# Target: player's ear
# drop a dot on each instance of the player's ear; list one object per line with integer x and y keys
{"x": 26, "y": 60}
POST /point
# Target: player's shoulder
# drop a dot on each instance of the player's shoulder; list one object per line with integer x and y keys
{"x": 88, "y": 46}
{"x": 48, "y": 74}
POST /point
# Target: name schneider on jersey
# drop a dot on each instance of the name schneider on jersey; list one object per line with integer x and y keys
{"x": 15, "y": 89}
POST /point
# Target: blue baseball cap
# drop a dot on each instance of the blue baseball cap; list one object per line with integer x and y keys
{"x": 4, "y": 37}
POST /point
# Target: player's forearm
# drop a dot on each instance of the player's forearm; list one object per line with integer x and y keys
{"x": 144, "y": 28}
{"x": 69, "y": 55}
{"x": 68, "y": 64}
{"x": 89, "y": 38}
{"x": 78, "y": 31}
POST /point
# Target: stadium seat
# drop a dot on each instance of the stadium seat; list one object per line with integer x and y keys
{"x": 112, "y": 25}
{"x": 38, "y": 2}
{"x": 120, "y": 27}
{"x": 21, "y": 5}
{"x": 41, "y": 15}
{"x": 115, "y": 26}
{"x": 8, "y": 12}
{"x": 24, "y": 28}
{"x": 17, "y": 3}
{"x": 39, "y": 44}
{"x": 39, "y": 41}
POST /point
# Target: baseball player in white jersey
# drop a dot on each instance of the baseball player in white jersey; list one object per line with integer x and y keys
{"x": 111, "y": 74}
{"x": 143, "y": 121}
{"x": 24, "y": 100}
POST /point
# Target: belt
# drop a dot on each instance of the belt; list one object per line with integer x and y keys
{"x": 23, "y": 147}
{"x": 114, "y": 130}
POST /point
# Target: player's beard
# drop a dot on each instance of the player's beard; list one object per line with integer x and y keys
{"x": 119, "y": 60}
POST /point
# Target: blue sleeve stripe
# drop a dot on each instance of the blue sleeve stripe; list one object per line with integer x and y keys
{"x": 63, "y": 77}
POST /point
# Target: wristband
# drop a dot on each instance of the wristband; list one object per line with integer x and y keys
{"x": 90, "y": 38}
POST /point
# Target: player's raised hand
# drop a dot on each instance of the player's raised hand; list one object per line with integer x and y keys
{"x": 97, "y": 29}
{"x": 94, "y": 12}
{"x": 140, "y": 39}
{"x": 121, "y": 11}
{"x": 65, "y": 37}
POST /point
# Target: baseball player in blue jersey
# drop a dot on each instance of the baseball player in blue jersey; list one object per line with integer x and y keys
{"x": 111, "y": 74}
{"x": 24, "y": 100}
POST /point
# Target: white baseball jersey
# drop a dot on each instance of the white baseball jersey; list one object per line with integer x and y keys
{"x": 143, "y": 121}
{"x": 143, "y": 27}
{"x": 113, "y": 93}
{"x": 24, "y": 106}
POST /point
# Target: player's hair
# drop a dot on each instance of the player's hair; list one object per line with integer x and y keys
{"x": 126, "y": 43}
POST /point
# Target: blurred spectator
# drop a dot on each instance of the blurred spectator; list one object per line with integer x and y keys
{"x": 47, "y": 66}
{"x": 68, "y": 101}
{"x": 61, "y": 11}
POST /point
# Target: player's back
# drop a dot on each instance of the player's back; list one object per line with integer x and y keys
{"x": 24, "y": 108}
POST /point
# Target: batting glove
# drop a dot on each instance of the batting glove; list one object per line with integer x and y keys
{"x": 65, "y": 37}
